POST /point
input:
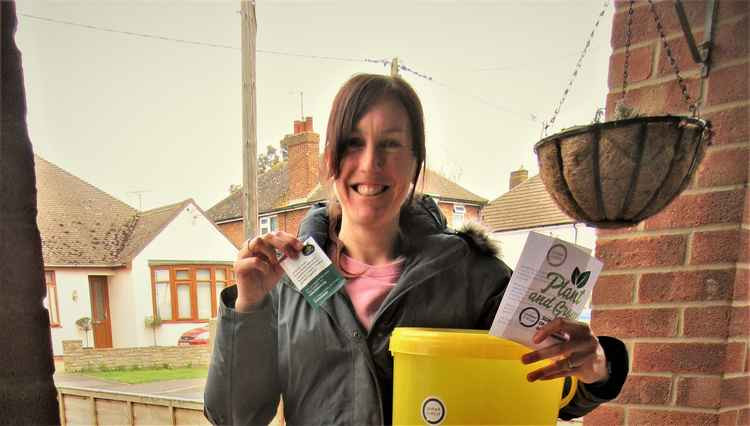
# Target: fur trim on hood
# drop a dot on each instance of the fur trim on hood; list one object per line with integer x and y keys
{"x": 425, "y": 217}
{"x": 477, "y": 237}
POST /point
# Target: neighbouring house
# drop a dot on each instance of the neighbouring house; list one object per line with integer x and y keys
{"x": 109, "y": 262}
{"x": 288, "y": 189}
{"x": 527, "y": 206}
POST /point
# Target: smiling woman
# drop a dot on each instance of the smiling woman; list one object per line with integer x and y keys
{"x": 404, "y": 267}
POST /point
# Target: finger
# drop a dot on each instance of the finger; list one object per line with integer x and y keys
{"x": 571, "y": 366}
{"x": 557, "y": 368}
{"x": 245, "y": 247}
{"x": 551, "y": 328}
{"x": 560, "y": 349}
{"x": 284, "y": 242}
{"x": 248, "y": 264}
{"x": 259, "y": 248}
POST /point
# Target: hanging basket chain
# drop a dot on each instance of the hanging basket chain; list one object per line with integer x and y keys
{"x": 577, "y": 69}
{"x": 692, "y": 106}
{"x": 628, "y": 36}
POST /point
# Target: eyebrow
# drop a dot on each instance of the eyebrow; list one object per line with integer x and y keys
{"x": 386, "y": 131}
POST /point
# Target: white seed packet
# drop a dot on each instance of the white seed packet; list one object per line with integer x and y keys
{"x": 553, "y": 278}
{"x": 312, "y": 273}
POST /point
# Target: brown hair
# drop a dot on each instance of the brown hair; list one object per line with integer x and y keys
{"x": 355, "y": 98}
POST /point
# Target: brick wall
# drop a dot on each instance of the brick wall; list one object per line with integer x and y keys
{"x": 675, "y": 287}
{"x": 235, "y": 231}
{"x": 472, "y": 212}
{"x": 292, "y": 220}
{"x": 288, "y": 222}
{"x": 77, "y": 358}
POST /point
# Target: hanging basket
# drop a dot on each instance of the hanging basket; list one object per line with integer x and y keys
{"x": 618, "y": 173}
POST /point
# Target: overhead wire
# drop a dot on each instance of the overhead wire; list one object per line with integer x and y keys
{"x": 385, "y": 62}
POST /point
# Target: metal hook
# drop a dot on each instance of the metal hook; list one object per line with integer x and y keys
{"x": 699, "y": 56}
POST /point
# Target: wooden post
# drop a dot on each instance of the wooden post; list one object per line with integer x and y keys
{"x": 249, "y": 145}
{"x": 394, "y": 67}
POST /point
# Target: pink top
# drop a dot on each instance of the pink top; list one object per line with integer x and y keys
{"x": 368, "y": 290}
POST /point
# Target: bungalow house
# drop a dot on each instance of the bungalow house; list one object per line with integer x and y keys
{"x": 106, "y": 261}
{"x": 287, "y": 191}
{"x": 527, "y": 206}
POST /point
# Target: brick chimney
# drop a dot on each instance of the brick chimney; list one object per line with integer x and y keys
{"x": 303, "y": 153}
{"x": 518, "y": 177}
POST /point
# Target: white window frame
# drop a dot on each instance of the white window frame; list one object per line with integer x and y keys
{"x": 267, "y": 225}
{"x": 459, "y": 210}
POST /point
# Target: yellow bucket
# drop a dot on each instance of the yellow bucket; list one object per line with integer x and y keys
{"x": 467, "y": 377}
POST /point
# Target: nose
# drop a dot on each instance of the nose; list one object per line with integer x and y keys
{"x": 372, "y": 157}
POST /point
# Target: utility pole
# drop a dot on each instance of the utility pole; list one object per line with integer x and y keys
{"x": 249, "y": 143}
{"x": 394, "y": 68}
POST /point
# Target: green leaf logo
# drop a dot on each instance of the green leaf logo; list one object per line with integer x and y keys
{"x": 576, "y": 274}
{"x": 582, "y": 279}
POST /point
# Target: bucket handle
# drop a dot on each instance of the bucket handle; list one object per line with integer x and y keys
{"x": 571, "y": 393}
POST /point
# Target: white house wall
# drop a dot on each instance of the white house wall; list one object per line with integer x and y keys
{"x": 189, "y": 237}
{"x": 512, "y": 242}
{"x": 73, "y": 302}
{"x": 122, "y": 305}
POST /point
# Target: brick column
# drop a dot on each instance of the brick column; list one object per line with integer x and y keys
{"x": 675, "y": 287}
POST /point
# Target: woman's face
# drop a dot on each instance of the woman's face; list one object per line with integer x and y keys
{"x": 377, "y": 167}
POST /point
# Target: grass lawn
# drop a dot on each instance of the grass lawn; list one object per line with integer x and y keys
{"x": 150, "y": 375}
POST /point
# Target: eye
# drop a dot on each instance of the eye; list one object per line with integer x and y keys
{"x": 354, "y": 143}
{"x": 392, "y": 144}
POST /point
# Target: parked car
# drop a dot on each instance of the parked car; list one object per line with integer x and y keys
{"x": 196, "y": 336}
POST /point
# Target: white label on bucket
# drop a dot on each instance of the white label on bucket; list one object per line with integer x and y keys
{"x": 433, "y": 410}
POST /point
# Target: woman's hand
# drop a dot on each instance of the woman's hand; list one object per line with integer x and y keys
{"x": 580, "y": 355}
{"x": 257, "y": 268}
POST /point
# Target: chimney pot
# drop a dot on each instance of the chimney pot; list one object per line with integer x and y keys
{"x": 518, "y": 177}
{"x": 298, "y": 127}
{"x": 308, "y": 124}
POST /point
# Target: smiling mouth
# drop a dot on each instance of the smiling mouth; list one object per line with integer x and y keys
{"x": 369, "y": 190}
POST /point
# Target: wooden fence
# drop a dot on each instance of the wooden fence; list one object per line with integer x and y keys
{"x": 84, "y": 406}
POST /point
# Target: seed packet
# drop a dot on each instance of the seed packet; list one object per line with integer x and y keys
{"x": 553, "y": 278}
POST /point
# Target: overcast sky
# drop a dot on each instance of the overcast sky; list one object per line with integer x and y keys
{"x": 129, "y": 113}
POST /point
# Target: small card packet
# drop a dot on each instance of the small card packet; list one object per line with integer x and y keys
{"x": 553, "y": 278}
{"x": 312, "y": 273}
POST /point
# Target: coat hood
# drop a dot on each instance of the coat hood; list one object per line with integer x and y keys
{"x": 421, "y": 218}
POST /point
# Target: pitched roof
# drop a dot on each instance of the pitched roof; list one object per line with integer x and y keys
{"x": 526, "y": 206}
{"x": 79, "y": 223}
{"x": 272, "y": 194}
{"x": 149, "y": 224}
{"x": 82, "y": 225}
{"x": 441, "y": 187}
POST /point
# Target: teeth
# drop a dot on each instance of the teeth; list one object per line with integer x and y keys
{"x": 369, "y": 189}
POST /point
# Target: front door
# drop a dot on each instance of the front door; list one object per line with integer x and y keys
{"x": 100, "y": 323}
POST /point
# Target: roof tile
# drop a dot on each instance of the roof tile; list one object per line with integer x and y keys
{"x": 528, "y": 205}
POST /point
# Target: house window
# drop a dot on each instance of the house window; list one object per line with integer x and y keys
{"x": 50, "y": 302}
{"x": 268, "y": 224}
{"x": 458, "y": 215}
{"x": 189, "y": 292}
{"x": 162, "y": 294}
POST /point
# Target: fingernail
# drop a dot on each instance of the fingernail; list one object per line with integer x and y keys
{"x": 527, "y": 359}
{"x": 530, "y": 378}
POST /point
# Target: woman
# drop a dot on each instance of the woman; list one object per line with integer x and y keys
{"x": 404, "y": 268}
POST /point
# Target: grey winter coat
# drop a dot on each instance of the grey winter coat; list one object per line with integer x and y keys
{"x": 327, "y": 367}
